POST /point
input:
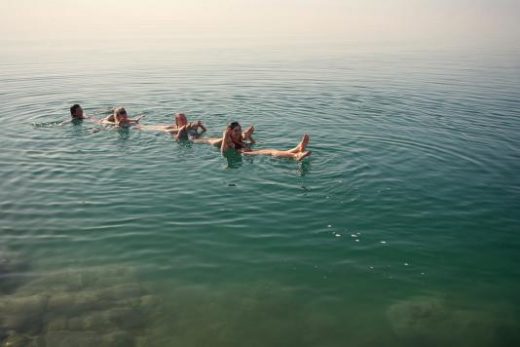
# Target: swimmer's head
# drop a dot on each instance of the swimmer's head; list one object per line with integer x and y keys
{"x": 76, "y": 111}
{"x": 235, "y": 126}
{"x": 236, "y": 130}
{"x": 180, "y": 119}
{"x": 120, "y": 115}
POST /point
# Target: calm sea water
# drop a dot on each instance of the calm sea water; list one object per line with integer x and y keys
{"x": 401, "y": 229}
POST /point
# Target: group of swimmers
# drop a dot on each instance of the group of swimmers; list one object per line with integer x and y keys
{"x": 233, "y": 138}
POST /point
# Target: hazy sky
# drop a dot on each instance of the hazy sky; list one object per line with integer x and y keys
{"x": 354, "y": 20}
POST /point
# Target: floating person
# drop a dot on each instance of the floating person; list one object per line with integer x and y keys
{"x": 232, "y": 140}
{"x": 180, "y": 121}
{"x": 120, "y": 118}
{"x": 120, "y": 113}
{"x": 76, "y": 112}
{"x": 76, "y": 115}
{"x": 186, "y": 130}
{"x": 244, "y": 140}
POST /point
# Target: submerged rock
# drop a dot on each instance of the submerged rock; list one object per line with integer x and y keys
{"x": 73, "y": 338}
{"x": 126, "y": 318}
{"x": 81, "y": 307}
{"x": 150, "y": 305}
{"x": 418, "y": 316}
{"x": 88, "y": 339}
{"x": 22, "y": 314}
{"x": 432, "y": 321}
{"x": 72, "y": 303}
{"x": 12, "y": 264}
{"x": 118, "y": 339}
{"x": 98, "y": 321}
{"x": 125, "y": 293}
{"x": 56, "y": 324}
{"x": 16, "y": 340}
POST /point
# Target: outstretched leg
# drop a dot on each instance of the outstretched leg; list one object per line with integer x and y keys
{"x": 215, "y": 141}
{"x": 298, "y": 152}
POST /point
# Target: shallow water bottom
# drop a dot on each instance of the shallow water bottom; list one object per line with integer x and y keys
{"x": 119, "y": 305}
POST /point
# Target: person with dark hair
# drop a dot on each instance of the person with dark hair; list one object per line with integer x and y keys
{"x": 120, "y": 118}
{"x": 76, "y": 112}
{"x": 232, "y": 139}
{"x": 247, "y": 135}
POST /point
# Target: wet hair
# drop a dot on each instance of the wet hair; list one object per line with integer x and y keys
{"x": 73, "y": 109}
{"x": 178, "y": 116}
{"x": 119, "y": 110}
{"x": 233, "y": 125}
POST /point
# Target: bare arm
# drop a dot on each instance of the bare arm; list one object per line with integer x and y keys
{"x": 110, "y": 118}
{"x": 248, "y": 135}
{"x": 226, "y": 141}
{"x": 201, "y": 126}
{"x": 135, "y": 120}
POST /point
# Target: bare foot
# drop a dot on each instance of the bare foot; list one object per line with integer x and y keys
{"x": 303, "y": 155}
{"x": 303, "y": 143}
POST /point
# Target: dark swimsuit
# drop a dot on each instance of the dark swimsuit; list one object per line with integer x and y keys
{"x": 237, "y": 145}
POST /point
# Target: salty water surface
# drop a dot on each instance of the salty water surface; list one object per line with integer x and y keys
{"x": 400, "y": 229}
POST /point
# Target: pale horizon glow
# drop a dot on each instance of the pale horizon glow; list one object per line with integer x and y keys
{"x": 350, "y": 20}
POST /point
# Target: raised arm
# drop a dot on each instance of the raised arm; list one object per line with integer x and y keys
{"x": 201, "y": 126}
{"x": 226, "y": 141}
{"x": 248, "y": 135}
{"x": 135, "y": 121}
{"x": 182, "y": 133}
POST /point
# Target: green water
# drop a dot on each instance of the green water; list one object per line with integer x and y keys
{"x": 401, "y": 229}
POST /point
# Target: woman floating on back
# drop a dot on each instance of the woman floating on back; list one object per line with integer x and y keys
{"x": 120, "y": 118}
{"x": 232, "y": 140}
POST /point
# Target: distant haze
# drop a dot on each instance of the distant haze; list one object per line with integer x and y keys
{"x": 354, "y": 20}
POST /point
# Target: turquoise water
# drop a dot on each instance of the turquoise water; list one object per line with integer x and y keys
{"x": 401, "y": 228}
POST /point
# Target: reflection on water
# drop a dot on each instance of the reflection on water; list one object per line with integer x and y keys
{"x": 124, "y": 133}
{"x": 304, "y": 167}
